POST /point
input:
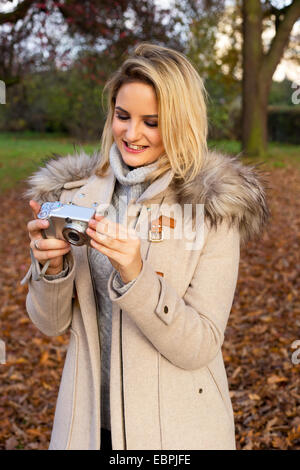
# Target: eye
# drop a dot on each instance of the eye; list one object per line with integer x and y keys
{"x": 124, "y": 118}
{"x": 151, "y": 124}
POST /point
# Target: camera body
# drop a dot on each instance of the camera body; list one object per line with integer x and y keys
{"x": 66, "y": 222}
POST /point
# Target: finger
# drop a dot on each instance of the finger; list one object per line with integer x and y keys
{"x": 119, "y": 231}
{"x": 105, "y": 240}
{"x": 49, "y": 244}
{"x": 34, "y": 227}
{"x": 111, "y": 229}
{"x": 111, "y": 253}
{"x": 35, "y": 207}
{"x": 105, "y": 224}
{"x": 100, "y": 217}
{"x": 45, "y": 255}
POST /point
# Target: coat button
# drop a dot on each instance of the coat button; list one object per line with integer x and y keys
{"x": 200, "y": 390}
{"x": 166, "y": 309}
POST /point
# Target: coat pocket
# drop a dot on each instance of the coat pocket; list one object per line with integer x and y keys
{"x": 211, "y": 394}
{"x": 222, "y": 393}
{"x": 66, "y": 401}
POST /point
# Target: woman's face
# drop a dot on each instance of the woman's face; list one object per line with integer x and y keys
{"x": 135, "y": 123}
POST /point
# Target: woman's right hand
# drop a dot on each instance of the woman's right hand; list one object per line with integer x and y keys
{"x": 48, "y": 248}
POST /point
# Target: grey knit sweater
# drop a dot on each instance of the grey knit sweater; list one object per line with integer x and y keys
{"x": 129, "y": 185}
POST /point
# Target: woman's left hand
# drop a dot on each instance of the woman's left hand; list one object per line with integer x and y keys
{"x": 121, "y": 245}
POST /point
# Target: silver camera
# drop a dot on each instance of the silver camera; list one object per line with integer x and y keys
{"x": 66, "y": 222}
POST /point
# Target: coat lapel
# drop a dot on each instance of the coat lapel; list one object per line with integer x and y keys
{"x": 97, "y": 192}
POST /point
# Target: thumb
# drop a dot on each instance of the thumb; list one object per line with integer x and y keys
{"x": 35, "y": 207}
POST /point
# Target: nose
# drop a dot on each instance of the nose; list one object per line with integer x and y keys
{"x": 133, "y": 132}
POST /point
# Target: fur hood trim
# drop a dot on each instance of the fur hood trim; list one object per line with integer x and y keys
{"x": 229, "y": 189}
{"x": 47, "y": 183}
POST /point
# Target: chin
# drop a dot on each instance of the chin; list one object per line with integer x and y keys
{"x": 133, "y": 161}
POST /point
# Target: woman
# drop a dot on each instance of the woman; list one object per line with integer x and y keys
{"x": 150, "y": 297}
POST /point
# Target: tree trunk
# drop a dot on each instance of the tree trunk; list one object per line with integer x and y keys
{"x": 255, "y": 114}
{"x": 254, "y": 119}
{"x": 258, "y": 70}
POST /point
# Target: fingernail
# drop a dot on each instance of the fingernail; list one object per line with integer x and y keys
{"x": 45, "y": 223}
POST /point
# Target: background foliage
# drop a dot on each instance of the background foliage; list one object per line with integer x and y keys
{"x": 55, "y": 56}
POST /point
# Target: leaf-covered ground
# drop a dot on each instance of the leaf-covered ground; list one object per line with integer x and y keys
{"x": 263, "y": 325}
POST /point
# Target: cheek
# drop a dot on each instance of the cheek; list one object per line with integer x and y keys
{"x": 117, "y": 127}
{"x": 156, "y": 139}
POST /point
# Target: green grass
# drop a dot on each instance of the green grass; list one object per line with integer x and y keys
{"x": 278, "y": 154}
{"x": 22, "y": 153}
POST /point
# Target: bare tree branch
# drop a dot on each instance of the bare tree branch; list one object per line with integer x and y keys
{"x": 18, "y": 13}
{"x": 280, "y": 40}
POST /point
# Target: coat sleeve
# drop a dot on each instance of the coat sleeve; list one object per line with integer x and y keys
{"x": 188, "y": 330}
{"x": 49, "y": 302}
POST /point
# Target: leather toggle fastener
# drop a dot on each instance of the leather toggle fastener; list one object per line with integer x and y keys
{"x": 156, "y": 233}
{"x": 160, "y": 273}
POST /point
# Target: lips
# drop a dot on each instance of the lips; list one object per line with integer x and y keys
{"x": 144, "y": 146}
{"x": 130, "y": 150}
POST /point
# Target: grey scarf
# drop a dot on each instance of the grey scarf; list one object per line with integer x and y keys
{"x": 131, "y": 178}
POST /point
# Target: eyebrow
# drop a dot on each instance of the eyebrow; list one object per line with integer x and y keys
{"x": 144, "y": 115}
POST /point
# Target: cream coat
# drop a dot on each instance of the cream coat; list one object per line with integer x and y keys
{"x": 168, "y": 385}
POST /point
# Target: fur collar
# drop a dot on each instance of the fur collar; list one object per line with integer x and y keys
{"x": 228, "y": 188}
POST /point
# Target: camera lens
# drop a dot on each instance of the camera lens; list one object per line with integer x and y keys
{"x": 74, "y": 233}
{"x": 74, "y": 236}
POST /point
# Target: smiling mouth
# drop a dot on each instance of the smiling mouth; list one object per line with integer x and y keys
{"x": 135, "y": 147}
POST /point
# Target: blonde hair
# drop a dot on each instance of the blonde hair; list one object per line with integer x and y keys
{"x": 181, "y": 99}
